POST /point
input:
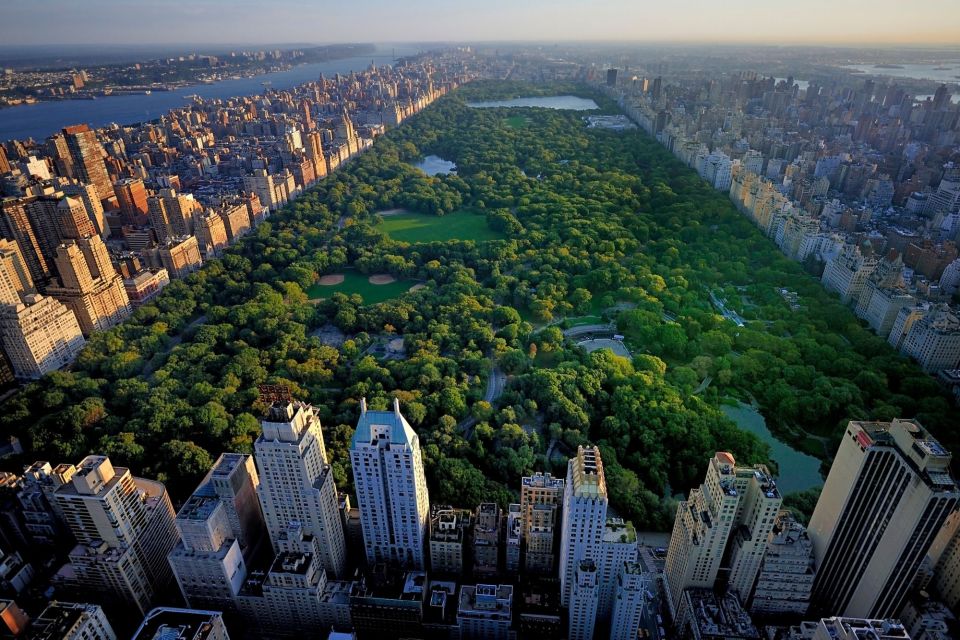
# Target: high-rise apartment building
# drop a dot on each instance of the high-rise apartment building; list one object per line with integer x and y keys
{"x": 211, "y": 232}
{"x": 735, "y": 507}
{"x": 888, "y": 493}
{"x": 180, "y": 256}
{"x": 73, "y": 221}
{"x": 785, "y": 581}
{"x": 296, "y": 482}
{"x": 391, "y": 487}
{"x": 88, "y": 158}
{"x": 124, "y": 527}
{"x": 132, "y": 198}
{"x": 584, "y": 516}
{"x": 38, "y": 334}
{"x": 15, "y": 224}
{"x": 90, "y": 197}
{"x": 540, "y": 498}
{"x": 220, "y": 526}
{"x": 512, "y": 525}
{"x": 584, "y": 599}
{"x": 90, "y": 285}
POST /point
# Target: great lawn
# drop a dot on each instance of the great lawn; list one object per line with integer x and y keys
{"x": 355, "y": 282}
{"x": 414, "y": 227}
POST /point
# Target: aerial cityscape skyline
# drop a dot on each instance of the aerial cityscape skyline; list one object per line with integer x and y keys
{"x": 573, "y": 326}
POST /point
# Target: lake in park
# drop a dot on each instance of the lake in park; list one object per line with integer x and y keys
{"x": 572, "y": 103}
{"x": 435, "y": 165}
{"x": 797, "y": 470}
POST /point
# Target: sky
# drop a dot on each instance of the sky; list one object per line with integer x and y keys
{"x": 854, "y": 22}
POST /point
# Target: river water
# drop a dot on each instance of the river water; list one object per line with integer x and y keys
{"x": 797, "y": 470}
{"x": 45, "y": 118}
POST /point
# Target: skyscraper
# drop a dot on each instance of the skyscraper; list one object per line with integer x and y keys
{"x": 584, "y": 516}
{"x": 124, "y": 527}
{"x": 220, "y": 525}
{"x": 888, "y": 493}
{"x": 87, "y": 153}
{"x": 132, "y": 198}
{"x": 391, "y": 488}
{"x": 296, "y": 482}
{"x": 734, "y": 506}
{"x": 90, "y": 285}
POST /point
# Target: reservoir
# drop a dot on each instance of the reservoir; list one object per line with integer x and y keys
{"x": 43, "y": 119}
{"x": 572, "y": 103}
{"x": 797, "y": 470}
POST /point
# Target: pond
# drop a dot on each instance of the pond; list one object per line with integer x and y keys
{"x": 797, "y": 470}
{"x": 435, "y": 165}
{"x": 572, "y": 103}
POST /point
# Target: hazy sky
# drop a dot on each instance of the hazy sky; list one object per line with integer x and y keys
{"x": 324, "y": 21}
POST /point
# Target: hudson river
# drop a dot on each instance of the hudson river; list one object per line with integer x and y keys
{"x": 45, "y": 118}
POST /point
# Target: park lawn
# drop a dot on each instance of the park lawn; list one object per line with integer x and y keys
{"x": 463, "y": 224}
{"x": 516, "y": 122}
{"x": 581, "y": 321}
{"x": 356, "y": 282}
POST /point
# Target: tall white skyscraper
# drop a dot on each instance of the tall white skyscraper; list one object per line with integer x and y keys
{"x": 888, "y": 493}
{"x": 296, "y": 483}
{"x": 391, "y": 488}
{"x": 618, "y": 548}
{"x": 584, "y": 515}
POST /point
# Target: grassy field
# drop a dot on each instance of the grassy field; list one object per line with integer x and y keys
{"x": 516, "y": 122}
{"x": 414, "y": 227}
{"x": 355, "y": 282}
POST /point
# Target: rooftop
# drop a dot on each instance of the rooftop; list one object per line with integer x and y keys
{"x": 719, "y": 616}
{"x": 386, "y": 427}
{"x": 165, "y": 623}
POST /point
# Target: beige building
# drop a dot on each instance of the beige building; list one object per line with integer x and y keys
{"x": 90, "y": 285}
{"x": 540, "y": 498}
{"x": 38, "y": 334}
{"x": 124, "y": 527}
{"x": 888, "y": 493}
{"x": 171, "y": 214}
{"x": 847, "y": 273}
{"x": 211, "y": 233}
{"x": 734, "y": 505}
{"x": 181, "y": 256}
{"x": 584, "y": 516}
{"x": 236, "y": 219}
